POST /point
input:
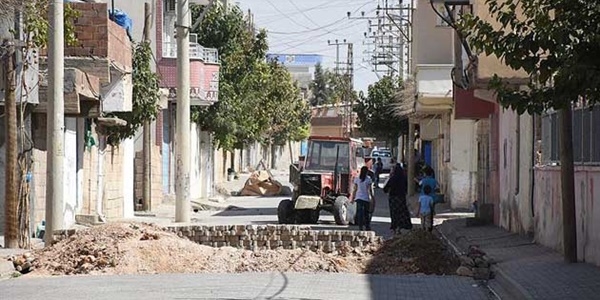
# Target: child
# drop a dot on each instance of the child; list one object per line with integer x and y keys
{"x": 425, "y": 209}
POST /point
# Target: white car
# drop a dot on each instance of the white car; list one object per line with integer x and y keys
{"x": 386, "y": 158}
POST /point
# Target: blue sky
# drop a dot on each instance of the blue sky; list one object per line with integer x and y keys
{"x": 297, "y": 27}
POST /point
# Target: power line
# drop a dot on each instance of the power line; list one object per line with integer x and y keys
{"x": 302, "y": 12}
{"x": 286, "y": 16}
{"x": 318, "y": 7}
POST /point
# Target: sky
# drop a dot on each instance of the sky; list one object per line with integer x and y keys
{"x": 305, "y": 26}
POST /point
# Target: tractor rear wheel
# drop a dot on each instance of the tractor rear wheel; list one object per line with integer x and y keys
{"x": 340, "y": 210}
{"x": 285, "y": 212}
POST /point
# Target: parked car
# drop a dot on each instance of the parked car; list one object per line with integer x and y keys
{"x": 386, "y": 158}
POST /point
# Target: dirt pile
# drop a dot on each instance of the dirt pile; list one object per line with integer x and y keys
{"x": 415, "y": 252}
{"x": 131, "y": 248}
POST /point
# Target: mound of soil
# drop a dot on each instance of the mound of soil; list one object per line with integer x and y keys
{"x": 416, "y": 252}
{"x": 132, "y": 248}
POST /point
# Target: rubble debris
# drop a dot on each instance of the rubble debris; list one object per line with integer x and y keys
{"x": 133, "y": 248}
{"x": 261, "y": 183}
{"x": 475, "y": 264}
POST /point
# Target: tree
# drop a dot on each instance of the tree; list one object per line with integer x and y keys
{"x": 255, "y": 97}
{"x": 319, "y": 87}
{"x": 234, "y": 120}
{"x": 289, "y": 114}
{"x": 375, "y": 111}
{"x": 329, "y": 88}
{"x": 557, "y": 43}
{"x": 146, "y": 95}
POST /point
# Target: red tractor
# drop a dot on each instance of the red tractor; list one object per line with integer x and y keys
{"x": 323, "y": 181}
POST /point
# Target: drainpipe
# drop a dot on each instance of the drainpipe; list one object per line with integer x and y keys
{"x": 518, "y": 154}
{"x": 533, "y": 161}
{"x": 100, "y": 178}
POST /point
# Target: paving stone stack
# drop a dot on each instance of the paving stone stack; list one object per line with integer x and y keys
{"x": 264, "y": 237}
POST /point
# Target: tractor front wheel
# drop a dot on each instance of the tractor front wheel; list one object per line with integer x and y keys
{"x": 340, "y": 210}
{"x": 285, "y": 212}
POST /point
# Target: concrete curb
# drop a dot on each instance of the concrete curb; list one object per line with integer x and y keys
{"x": 502, "y": 286}
{"x": 508, "y": 288}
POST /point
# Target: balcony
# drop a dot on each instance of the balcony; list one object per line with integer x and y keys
{"x": 207, "y": 55}
{"x": 434, "y": 88}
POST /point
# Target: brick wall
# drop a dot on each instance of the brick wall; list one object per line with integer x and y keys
{"x": 98, "y": 36}
{"x": 258, "y": 237}
{"x": 156, "y": 172}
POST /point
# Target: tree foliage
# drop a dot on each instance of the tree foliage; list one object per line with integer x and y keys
{"x": 146, "y": 96}
{"x": 37, "y": 28}
{"x": 330, "y": 88}
{"x": 375, "y": 111}
{"x": 255, "y": 97}
{"x": 556, "y": 42}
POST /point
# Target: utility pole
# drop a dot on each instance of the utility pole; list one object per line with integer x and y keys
{"x": 350, "y": 78}
{"x": 55, "y": 122}
{"x": 147, "y": 138}
{"x": 568, "y": 185}
{"x": 337, "y": 44}
{"x": 11, "y": 193}
{"x": 183, "y": 156}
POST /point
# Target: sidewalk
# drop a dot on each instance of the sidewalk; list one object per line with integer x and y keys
{"x": 523, "y": 269}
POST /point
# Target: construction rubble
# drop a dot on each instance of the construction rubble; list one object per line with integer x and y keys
{"x": 133, "y": 248}
{"x": 475, "y": 264}
{"x": 261, "y": 183}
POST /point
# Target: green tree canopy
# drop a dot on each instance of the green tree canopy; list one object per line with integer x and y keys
{"x": 255, "y": 97}
{"x": 556, "y": 42}
{"x": 329, "y": 88}
{"x": 375, "y": 111}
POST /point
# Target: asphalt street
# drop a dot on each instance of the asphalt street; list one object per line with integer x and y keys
{"x": 244, "y": 286}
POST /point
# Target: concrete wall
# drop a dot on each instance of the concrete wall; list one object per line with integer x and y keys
{"x": 515, "y": 171}
{"x": 432, "y": 44}
{"x": 490, "y": 65}
{"x": 462, "y": 168}
{"x": 548, "y": 210}
{"x": 156, "y": 177}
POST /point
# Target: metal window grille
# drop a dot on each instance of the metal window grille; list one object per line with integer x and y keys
{"x": 586, "y": 136}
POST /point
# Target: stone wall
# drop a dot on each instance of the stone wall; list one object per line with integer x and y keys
{"x": 261, "y": 237}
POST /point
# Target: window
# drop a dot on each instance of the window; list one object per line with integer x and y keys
{"x": 586, "y": 136}
{"x": 322, "y": 156}
{"x": 170, "y": 6}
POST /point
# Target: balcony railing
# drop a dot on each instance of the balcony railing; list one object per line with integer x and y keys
{"x": 207, "y": 55}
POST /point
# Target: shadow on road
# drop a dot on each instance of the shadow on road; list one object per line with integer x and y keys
{"x": 232, "y": 211}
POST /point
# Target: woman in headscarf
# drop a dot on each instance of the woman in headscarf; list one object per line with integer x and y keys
{"x": 396, "y": 186}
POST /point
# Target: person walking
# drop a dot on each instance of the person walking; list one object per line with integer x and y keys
{"x": 396, "y": 187}
{"x": 362, "y": 194}
{"x": 425, "y": 209}
{"x": 378, "y": 170}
